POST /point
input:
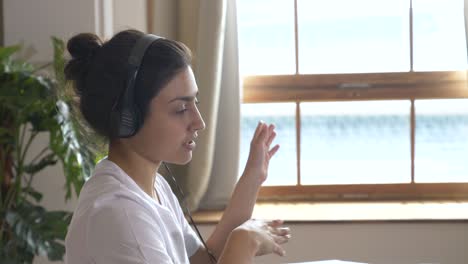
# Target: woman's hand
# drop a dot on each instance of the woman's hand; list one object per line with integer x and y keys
{"x": 260, "y": 152}
{"x": 268, "y": 236}
{"x": 237, "y": 238}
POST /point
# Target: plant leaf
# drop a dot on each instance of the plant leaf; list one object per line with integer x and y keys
{"x": 38, "y": 230}
{"x": 43, "y": 104}
{"x": 37, "y": 196}
{"x": 48, "y": 160}
{"x": 59, "y": 60}
{"x": 55, "y": 251}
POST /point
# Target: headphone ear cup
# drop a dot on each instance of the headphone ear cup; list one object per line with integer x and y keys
{"x": 128, "y": 122}
{"x": 124, "y": 123}
{"x": 125, "y": 117}
{"x": 114, "y": 122}
{"x": 138, "y": 119}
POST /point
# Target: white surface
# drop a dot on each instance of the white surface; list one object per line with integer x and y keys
{"x": 32, "y": 23}
{"x": 328, "y": 262}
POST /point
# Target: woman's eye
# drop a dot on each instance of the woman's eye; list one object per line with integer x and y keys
{"x": 187, "y": 108}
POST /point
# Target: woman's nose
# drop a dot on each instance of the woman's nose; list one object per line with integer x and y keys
{"x": 198, "y": 123}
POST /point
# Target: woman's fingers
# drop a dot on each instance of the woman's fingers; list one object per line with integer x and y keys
{"x": 273, "y": 150}
{"x": 270, "y": 235}
{"x": 277, "y": 249}
{"x": 264, "y": 133}
{"x": 272, "y": 135}
{"x": 275, "y": 223}
{"x": 281, "y": 239}
{"x": 258, "y": 130}
{"x": 281, "y": 231}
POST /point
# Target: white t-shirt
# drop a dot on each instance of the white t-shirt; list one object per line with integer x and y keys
{"x": 117, "y": 222}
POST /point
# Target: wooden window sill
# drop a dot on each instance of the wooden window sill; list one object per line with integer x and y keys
{"x": 331, "y": 212}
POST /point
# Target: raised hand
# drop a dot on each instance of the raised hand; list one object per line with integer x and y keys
{"x": 261, "y": 152}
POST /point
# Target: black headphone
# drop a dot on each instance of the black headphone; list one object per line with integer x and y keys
{"x": 125, "y": 118}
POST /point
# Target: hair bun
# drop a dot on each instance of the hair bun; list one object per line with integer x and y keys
{"x": 82, "y": 48}
{"x": 83, "y": 45}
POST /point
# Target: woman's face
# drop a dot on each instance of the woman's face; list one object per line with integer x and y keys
{"x": 169, "y": 130}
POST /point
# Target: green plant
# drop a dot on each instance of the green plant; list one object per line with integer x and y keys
{"x": 31, "y": 104}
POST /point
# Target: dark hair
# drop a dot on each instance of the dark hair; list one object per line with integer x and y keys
{"x": 99, "y": 73}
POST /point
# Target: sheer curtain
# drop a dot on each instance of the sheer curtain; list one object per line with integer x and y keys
{"x": 465, "y": 8}
{"x": 227, "y": 146}
{"x": 208, "y": 27}
{"x": 466, "y": 21}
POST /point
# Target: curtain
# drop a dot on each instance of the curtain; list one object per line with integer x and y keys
{"x": 466, "y": 22}
{"x": 208, "y": 27}
{"x": 465, "y": 8}
{"x": 227, "y": 146}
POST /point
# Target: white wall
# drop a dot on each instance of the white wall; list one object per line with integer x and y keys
{"x": 378, "y": 243}
{"x": 32, "y": 23}
{"x": 129, "y": 14}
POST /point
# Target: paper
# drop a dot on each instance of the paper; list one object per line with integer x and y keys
{"x": 328, "y": 262}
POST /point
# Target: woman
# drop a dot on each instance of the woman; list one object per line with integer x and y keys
{"x": 139, "y": 92}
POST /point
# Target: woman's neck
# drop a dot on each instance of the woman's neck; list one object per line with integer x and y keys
{"x": 141, "y": 170}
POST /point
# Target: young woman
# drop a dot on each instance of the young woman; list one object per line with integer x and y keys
{"x": 140, "y": 93}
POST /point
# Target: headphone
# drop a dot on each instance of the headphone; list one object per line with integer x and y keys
{"x": 125, "y": 117}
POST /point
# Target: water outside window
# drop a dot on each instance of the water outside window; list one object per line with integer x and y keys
{"x": 355, "y": 142}
{"x": 441, "y": 141}
{"x": 283, "y": 166}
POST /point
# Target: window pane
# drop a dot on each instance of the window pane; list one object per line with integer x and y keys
{"x": 342, "y": 36}
{"x": 266, "y": 37}
{"x": 441, "y": 141}
{"x": 355, "y": 142}
{"x": 439, "y": 35}
{"x": 283, "y": 166}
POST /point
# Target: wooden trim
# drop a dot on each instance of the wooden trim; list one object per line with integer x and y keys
{"x": 298, "y": 141}
{"x": 150, "y": 16}
{"x": 401, "y": 191}
{"x": 352, "y": 212}
{"x": 364, "y": 86}
{"x": 412, "y": 137}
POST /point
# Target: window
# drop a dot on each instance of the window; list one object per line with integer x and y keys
{"x": 369, "y": 96}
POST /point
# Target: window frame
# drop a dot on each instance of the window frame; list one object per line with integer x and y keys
{"x": 359, "y": 87}
{"x": 410, "y": 85}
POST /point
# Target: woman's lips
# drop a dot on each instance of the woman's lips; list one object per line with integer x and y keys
{"x": 190, "y": 145}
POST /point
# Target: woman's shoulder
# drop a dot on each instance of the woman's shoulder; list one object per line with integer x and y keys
{"x": 108, "y": 187}
{"x": 104, "y": 181}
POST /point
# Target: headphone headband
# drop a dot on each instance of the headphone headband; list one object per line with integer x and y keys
{"x": 139, "y": 50}
{"x": 125, "y": 117}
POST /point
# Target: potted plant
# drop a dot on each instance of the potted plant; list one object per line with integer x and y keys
{"x": 31, "y": 104}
